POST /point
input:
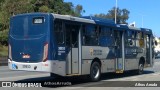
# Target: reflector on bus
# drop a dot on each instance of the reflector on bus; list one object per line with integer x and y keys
{"x": 10, "y": 52}
{"x": 45, "y": 53}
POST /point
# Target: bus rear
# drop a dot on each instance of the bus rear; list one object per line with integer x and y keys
{"x": 29, "y": 42}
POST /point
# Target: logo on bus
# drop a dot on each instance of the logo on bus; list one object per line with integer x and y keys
{"x": 14, "y": 66}
{"x": 95, "y": 52}
{"x": 91, "y": 51}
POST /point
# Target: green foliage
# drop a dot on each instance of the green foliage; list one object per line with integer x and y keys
{"x": 79, "y": 10}
{"x": 44, "y": 9}
{"x": 17, "y": 6}
{"x": 4, "y": 20}
{"x": 122, "y": 15}
{"x": 9, "y": 8}
{"x": 4, "y": 37}
{"x": 3, "y": 50}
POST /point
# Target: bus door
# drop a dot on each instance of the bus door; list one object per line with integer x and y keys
{"x": 119, "y": 50}
{"x": 72, "y": 42}
{"x": 149, "y": 52}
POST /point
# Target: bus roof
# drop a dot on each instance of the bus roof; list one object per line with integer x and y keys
{"x": 68, "y": 17}
{"x": 99, "y": 21}
{"x": 92, "y": 20}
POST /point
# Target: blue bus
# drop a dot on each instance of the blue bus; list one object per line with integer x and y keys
{"x": 72, "y": 46}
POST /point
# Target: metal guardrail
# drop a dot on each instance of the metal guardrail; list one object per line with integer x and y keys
{"x": 3, "y": 61}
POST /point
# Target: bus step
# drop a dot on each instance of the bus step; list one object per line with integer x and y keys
{"x": 119, "y": 71}
{"x": 73, "y": 75}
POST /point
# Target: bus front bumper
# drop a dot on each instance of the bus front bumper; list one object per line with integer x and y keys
{"x": 40, "y": 66}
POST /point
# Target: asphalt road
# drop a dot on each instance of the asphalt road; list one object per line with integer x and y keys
{"x": 79, "y": 83}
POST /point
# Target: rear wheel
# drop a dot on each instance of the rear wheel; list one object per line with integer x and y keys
{"x": 140, "y": 68}
{"x": 95, "y": 72}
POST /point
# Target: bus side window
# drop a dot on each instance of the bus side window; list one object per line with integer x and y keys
{"x": 59, "y": 32}
{"x": 105, "y": 38}
{"x": 90, "y": 35}
{"x": 140, "y": 39}
{"x": 83, "y": 35}
{"x": 130, "y": 38}
{"x": 117, "y": 38}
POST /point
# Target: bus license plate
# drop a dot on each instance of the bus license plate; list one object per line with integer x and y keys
{"x": 26, "y": 56}
{"x": 26, "y": 66}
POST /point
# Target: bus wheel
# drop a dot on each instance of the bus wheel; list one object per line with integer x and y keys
{"x": 95, "y": 72}
{"x": 140, "y": 68}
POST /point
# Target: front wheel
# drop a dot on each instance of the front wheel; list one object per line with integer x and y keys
{"x": 140, "y": 68}
{"x": 95, "y": 71}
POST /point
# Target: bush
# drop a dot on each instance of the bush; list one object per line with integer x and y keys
{"x": 4, "y": 37}
{"x": 3, "y": 51}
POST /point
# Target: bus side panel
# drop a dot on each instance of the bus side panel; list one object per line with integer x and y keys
{"x": 58, "y": 67}
{"x": 108, "y": 65}
{"x": 131, "y": 64}
{"x": 105, "y": 54}
{"x": 132, "y": 57}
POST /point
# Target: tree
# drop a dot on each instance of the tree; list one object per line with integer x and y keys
{"x": 79, "y": 10}
{"x": 44, "y": 9}
{"x": 122, "y": 15}
{"x": 4, "y": 37}
{"x": 67, "y": 8}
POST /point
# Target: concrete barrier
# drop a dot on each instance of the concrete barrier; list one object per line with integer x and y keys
{"x": 3, "y": 61}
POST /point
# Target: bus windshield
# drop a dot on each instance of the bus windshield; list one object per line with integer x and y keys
{"x": 27, "y": 26}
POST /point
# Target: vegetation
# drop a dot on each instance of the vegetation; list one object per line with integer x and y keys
{"x": 3, "y": 50}
{"x": 122, "y": 15}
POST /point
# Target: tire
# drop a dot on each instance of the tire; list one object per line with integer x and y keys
{"x": 140, "y": 68}
{"x": 95, "y": 72}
